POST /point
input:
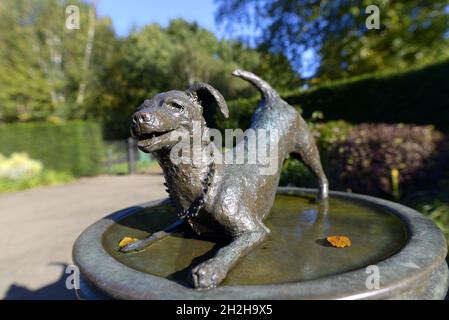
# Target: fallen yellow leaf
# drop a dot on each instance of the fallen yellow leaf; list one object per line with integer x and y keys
{"x": 125, "y": 241}
{"x": 339, "y": 241}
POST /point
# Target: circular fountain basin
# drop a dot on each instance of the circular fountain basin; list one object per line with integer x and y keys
{"x": 296, "y": 262}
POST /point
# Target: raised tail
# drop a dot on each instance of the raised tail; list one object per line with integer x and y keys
{"x": 268, "y": 93}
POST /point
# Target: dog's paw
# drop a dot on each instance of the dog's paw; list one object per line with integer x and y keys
{"x": 134, "y": 246}
{"x": 208, "y": 274}
{"x": 237, "y": 72}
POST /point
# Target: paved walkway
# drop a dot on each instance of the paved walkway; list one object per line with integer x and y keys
{"x": 38, "y": 228}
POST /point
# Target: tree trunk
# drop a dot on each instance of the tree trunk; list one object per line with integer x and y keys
{"x": 87, "y": 55}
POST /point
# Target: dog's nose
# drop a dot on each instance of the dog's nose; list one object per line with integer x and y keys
{"x": 140, "y": 117}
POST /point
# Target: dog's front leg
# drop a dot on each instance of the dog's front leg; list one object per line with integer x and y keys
{"x": 212, "y": 272}
{"x": 145, "y": 242}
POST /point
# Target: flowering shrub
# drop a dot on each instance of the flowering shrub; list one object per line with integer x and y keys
{"x": 373, "y": 157}
{"x": 19, "y": 172}
{"x": 19, "y": 166}
{"x": 387, "y": 160}
{"x": 328, "y": 133}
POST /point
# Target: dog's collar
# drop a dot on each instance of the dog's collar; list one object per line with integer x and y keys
{"x": 198, "y": 203}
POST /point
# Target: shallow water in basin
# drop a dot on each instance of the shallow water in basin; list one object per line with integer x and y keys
{"x": 294, "y": 251}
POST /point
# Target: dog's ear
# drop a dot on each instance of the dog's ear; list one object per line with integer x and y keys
{"x": 206, "y": 95}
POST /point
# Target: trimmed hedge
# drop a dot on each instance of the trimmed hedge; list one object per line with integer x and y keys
{"x": 75, "y": 147}
{"x": 419, "y": 96}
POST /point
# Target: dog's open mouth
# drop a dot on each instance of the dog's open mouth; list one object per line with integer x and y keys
{"x": 147, "y": 139}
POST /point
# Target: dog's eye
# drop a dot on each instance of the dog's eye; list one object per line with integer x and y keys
{"x": 176, "y": 105}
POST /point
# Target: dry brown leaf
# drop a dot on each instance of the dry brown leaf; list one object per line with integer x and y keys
{"x": 125, "y": 241}
{"x": 339, "y": 241}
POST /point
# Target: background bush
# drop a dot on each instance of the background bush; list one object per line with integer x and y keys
{"x": 295, "y": 173}
{"x": 361, "y": 158}
{"x": 74, "y": 147}
{"x": 364, "y": 161}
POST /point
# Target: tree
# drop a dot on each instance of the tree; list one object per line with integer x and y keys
{"x": 411, "y": 31}
{"x": 45, "y": 69}
{"x": 50, "y": 73}
{"x": 155, "y": 59}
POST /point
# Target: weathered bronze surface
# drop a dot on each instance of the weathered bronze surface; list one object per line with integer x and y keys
{"x": 417, "y": 271}
{"x": 229, "y": 200}
{"x": 294, "y": 251}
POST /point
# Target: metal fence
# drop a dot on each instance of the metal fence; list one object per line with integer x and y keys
{"x": 119, "y": 152}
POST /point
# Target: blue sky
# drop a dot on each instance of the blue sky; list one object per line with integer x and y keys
{"x": 128, "y": 13}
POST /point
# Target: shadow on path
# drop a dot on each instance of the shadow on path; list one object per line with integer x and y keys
{"x": 53, "y": 291}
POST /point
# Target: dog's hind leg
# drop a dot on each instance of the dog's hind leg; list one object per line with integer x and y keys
{"x": 307, "y": 151}
{"x": 145, "y": 242}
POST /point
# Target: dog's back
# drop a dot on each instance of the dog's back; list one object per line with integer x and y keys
{"x": 272, "y": 114}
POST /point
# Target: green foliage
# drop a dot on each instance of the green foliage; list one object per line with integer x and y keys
{"x": 419, "y": 96}
{"x": 19, "y": 171}
{"x": 46, "y": 71}
{"x": 439, "y": 213}
{"x": 410, "y": 32}
{"x": 50, "y": 73}
{"x": 75, "y": 147}
{"x": 326, "y": 134}
{"x": 379, "y": 97}
{"x": 433, "y": 203}
{"x": 19, "y": 166}
{"x": 295, "y": 173}
{"x": 388, "y": 97}
{"x": 240, "y": 114}
{"x": 329, "y": 133}
{"x": 156, "y": 59}
{"x": 45, "y": 178}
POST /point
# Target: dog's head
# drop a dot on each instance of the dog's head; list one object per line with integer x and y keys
{"x": 173, "y": 112}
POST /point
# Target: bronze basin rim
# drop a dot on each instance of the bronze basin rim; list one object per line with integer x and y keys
{"x": 422, "y": 255}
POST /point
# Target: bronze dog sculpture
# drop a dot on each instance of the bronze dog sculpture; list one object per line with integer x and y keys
{"x": 228, "y": 199}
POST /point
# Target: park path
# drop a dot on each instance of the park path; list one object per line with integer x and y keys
{"x": 39, "y": 226}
